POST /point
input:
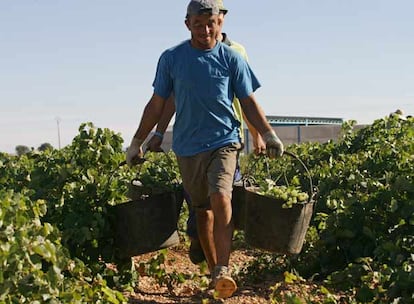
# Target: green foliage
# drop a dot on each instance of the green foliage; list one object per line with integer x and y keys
{"x": 34, "y": 266}
{"x": 79, "y": 182}
{"x": 364, "y": 212}
{"x": 56, "y": 232}
{"x": 264, "y": 265}
{"x": 159, "y": 173}
{"x": 15, "y": 171}
{"x": 302, "y": 296}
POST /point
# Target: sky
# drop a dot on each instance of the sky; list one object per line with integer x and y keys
{"x": 66, "y": 62}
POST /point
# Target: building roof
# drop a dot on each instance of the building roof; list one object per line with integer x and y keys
{"x": 302, "y": 120}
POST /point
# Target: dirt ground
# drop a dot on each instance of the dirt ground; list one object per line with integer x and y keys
{"x": 192, "y": 290}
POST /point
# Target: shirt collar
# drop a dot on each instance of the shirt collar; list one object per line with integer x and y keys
{"x": 226, "y": 39}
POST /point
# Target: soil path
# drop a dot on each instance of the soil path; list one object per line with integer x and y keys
{"x": 192, "y": 290}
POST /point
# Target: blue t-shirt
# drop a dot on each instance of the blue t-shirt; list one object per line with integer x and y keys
{"x": 204, "y": 83}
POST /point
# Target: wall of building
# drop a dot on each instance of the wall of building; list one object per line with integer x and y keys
{"x": 288, "y": 135}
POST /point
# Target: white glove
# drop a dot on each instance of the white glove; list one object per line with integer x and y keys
{"x": 274, "y": 146}
{"x": 134, "y": 152}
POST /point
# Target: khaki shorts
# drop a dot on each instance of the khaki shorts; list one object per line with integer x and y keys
{"x": 209, "y": 172}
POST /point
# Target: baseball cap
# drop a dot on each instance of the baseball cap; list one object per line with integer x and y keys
{"x": 221, "y": 7}
{"x": 199, "y": 7}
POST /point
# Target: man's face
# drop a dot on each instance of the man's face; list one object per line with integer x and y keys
{"x": 204, "y": 29}
{"x": 221, "y": 20}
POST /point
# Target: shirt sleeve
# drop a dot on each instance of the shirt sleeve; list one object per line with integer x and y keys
{"x": 163, "y": 82}
{"x": 244, "y": 80}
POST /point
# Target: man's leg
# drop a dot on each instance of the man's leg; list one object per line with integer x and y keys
{"x": 215, "y": 230}
{"x": 196, "y": 253}
{"x": 200, "y": 222}
{"x": 205, "y": 226}
{"x": 223, "y": 230}
{"x": 209, "y": 178}
{"x": 221, "y": 173}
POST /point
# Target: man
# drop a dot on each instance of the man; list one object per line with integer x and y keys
{"x": 204, "y": 76}
{"x": 154, "y": 144}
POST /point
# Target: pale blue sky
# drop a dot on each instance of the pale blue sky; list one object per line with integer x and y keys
{"x": 94, "y": 60}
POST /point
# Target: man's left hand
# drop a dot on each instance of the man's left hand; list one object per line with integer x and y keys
{"x": 274, "y": 146}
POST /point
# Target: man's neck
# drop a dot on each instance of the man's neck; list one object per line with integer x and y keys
{"x": 195, "y": 44}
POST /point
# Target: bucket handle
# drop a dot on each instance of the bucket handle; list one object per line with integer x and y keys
{"x": 306, "y": 170}
{"x": 138, "y": 161}
{"x": 250, "y": 179}
{"x": 143, "y": 160}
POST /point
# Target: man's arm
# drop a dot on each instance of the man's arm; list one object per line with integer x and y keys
{"x": 150, "y": 117}
{"x": 167, "y": 114}
{"x": 154, "y": 144}
{"x": 256, "y": 116}
{"x": 259, "y": 145}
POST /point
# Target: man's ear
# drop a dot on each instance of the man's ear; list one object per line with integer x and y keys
{"x": 220, "y": 21}
{"x": 187, "y": 23}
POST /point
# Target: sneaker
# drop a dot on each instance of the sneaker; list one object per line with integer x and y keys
{"x": 196, "y": 253}
{"x": 225, "y": 286}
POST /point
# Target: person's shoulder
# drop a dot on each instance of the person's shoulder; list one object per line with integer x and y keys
{"x": 177, "y": 48}
{"x": 174, "y": 50}
{"x": 227, "y": 48}
{"x": 173, "y": 53}
{"x": 232, "y": 52}
{"x": 239, "y": 48}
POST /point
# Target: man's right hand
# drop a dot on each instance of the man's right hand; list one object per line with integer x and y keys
{"x": 135, "y": 153}
{"x": 259, "y": 145}
{"x": 154, "y": 144}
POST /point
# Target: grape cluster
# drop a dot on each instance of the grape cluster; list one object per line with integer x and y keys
{"x": 288, "y": 194}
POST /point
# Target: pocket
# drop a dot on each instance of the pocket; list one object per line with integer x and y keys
{"x": 232, "y": 147}
{"x": 237, "y": 146}
{"x": 218, "y": 86}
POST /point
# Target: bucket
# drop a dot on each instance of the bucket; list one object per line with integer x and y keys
{"x": 146, "y": 224}
{"x": 271, "y": 227}
{"x": 238, "y": 204}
